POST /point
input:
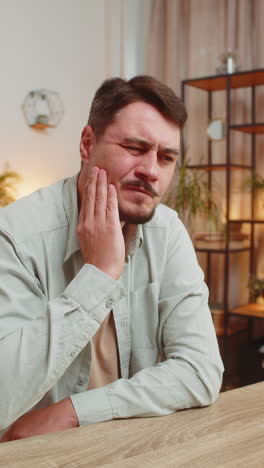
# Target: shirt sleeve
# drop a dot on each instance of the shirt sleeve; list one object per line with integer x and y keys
{"x": 39, "y": 338}
{"x": 191, "y": 372}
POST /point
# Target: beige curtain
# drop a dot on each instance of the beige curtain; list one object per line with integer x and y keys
{"x": 186, "y": 37}
{"x": 185, "y": 40}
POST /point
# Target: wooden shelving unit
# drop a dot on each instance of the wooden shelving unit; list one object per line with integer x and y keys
{"x": 232, "y": 317}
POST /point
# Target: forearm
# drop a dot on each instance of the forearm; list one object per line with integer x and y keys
{"x": 40, "y": 350}
{"x": 54, "y": 418}
{"x": 162, "y": 389}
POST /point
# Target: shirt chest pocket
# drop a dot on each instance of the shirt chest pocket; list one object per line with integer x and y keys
{"x": 144, "y": 316}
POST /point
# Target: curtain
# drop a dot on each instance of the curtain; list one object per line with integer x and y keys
{"x": 187, "y": 37}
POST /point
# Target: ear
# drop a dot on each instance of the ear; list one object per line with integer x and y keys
{"x": 86, "y": 144}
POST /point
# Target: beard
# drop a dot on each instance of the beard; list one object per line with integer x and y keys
{"x": 136, "y": 218}
{"x": 138, "y": 215}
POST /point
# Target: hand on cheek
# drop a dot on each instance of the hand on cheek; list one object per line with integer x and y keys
{"x": 99, "y": 230}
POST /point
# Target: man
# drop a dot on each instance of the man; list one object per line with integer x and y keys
{"x": 104, "y": 310}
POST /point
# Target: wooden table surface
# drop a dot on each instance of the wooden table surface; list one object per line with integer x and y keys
{"x": 229, "y": 433}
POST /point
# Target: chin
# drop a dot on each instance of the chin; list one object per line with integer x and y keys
{"x": 136, "y": 217}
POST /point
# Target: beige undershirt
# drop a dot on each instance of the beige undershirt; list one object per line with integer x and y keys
{"x": 105, "y": 367}
{"x": 104, "y": 354}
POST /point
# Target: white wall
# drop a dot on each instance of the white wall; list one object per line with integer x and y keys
{"x": 69, "y": 46}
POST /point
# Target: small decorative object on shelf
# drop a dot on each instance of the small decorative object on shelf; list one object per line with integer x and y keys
{"x": 8, "y": 181}
{"x": 229, "y": 63}
{"x": 43, "y": 109}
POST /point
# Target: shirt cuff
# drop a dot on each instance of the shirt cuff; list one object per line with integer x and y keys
{"x": 91, "y": 288}
{"x": 92, "y": 406}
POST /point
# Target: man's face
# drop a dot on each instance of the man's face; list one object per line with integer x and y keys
{"x": 139, "y": 152}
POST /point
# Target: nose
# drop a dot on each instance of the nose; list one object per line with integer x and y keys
{"x": 147, "y": 168}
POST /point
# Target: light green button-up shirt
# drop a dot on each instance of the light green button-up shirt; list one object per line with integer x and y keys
{"x": 52, "y": 305}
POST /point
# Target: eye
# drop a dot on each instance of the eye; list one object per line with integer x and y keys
{"x": 166, "y": 159}
{"x": 134, "y": 149}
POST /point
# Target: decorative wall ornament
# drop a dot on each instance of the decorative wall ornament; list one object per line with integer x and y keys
{"x": 42, "y": 109}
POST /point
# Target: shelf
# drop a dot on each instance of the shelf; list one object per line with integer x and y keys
{"x": 216, "y": 242}
{"x": 249, "y": 310}
{"x": 249, "y": 128}
{"x": 243, "y": 220}
{"x": 220, "y": 82}
{"x": 219, "y": 167}
{"x": 221, "y": 250}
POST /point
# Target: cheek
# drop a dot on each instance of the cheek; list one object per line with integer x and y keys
{"x": 119, "y": 167}
{"x": 99, "y": 158}
{"x": 95, "y": 159}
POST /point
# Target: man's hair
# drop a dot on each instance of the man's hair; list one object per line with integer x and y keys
{"x": 116, "y": 93}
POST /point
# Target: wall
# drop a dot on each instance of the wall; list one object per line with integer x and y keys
{"x": 69, "y": 46}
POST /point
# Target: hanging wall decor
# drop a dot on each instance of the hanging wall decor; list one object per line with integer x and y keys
{"x": 42, "y": 109}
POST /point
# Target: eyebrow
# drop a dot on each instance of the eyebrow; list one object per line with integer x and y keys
{"x": 142, "y": 142}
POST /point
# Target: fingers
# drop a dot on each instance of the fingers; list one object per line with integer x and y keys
{"x": 88, "y": 199}
{"x": 112, "y": 204}
{"x": 101, "y": 196}
{"x": 99, "y": 199}
{"x": 99, "y": 230}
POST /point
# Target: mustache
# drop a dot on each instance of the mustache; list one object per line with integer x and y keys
{"x": 142, "y": 184}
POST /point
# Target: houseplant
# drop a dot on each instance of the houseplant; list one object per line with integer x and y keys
{"x": 191, "y": 197}
{"x": 256, "y": 289}
{"x": 8, "y": 181}
{"x": 255, "y": 183}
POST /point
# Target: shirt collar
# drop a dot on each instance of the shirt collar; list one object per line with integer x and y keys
{"x": 133, "y": 233}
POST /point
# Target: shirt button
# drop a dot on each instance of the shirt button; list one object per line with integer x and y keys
{"x": 73, "y": 354}
{"x": 80, "y": 382}
{"x": 109, "y": 303}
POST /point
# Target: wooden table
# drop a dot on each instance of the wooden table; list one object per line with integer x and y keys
{"x": 229, "y": 433}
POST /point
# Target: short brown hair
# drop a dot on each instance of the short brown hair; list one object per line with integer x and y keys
{"x": 116, "y": 93}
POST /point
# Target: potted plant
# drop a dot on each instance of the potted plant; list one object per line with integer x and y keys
{"x": 256, "y": 289}
{"x": 255, "y": 183}
{"x": 191, "y": 197}
{"x": 8, "y": 181}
